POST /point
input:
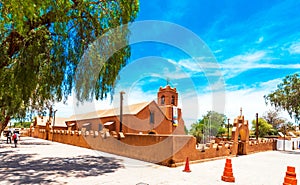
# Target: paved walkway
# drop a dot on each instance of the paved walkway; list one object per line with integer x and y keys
{"x": 37, "y": 161}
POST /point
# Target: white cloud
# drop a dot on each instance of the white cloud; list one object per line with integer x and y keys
{"x": 295, "y": 48}
{"x": 271, "y": 84}
{"x": 218, "y": 85}
{"x": 199, "y": 64}
{"x": 137, "y": 95}
{"x": 260, "y": 40}
{"x": 186, "y": 68}
{"x": 251, "y": 100}
{"x": 245, "y": 59}
{"x": 132, "y": 95}
{"x": 73, "y": 106}
{"x": 229, "y": 68}
{"x": 64, "y": 109}
{"x": 217, "y": 51}
{"x": 241, "y": 63}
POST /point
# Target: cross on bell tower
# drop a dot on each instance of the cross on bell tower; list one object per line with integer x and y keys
{"x": 168, "y": 81}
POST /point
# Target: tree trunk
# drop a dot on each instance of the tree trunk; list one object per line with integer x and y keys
{"x": 4, "y": 123}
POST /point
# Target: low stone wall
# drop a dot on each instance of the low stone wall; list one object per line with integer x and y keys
{"x": 262, "y": 145}
{"x": 162, "y": 149}
{"x": 24, "y": 132}
{"x": 63, "y": 136}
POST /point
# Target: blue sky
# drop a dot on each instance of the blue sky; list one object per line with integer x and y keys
{"x": 255, "y": 44}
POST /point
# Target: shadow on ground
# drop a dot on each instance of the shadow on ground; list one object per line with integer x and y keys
{"x": 24, "y": 169}
{"x": 33, "y": 143}
{"x": 290, "y": 152}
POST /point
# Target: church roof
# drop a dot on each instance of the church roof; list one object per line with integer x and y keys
{"x": 127, "y": 110}
{"x": 59, "y": 121}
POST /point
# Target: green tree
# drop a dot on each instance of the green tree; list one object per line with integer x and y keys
{"x": 22, "y": 124}
{"x": 287, "y": 95}
{"x": 197, "y": 130}
{"x": 41, "y": 44}
{"x": 287, "y": 127}
{"x": 212, "y": 124}
{"x": 272, "y": 117}
{"x": 221, "y": 131}
{"x": 290, "y": 126}
{"x": 215, "y": 122}
{"x": 264, "y": 128}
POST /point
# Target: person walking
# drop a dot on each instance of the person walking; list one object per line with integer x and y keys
{"x": 15, "y": 138}
{"x": 8, "y": 136}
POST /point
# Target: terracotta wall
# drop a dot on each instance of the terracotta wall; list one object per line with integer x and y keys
{"x": 152, "y": 148}
{"x": 24, "y": 132}
{"x": 163, "y": 149}
{"x": 138, "y": 123}
{"x": 263, "y": 145}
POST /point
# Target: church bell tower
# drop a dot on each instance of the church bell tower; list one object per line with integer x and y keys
{"x": 167, "y": 96}
{"x": 167, "y": 99}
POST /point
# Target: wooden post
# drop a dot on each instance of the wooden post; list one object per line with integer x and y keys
{"x": 256, "y": 127}
{"x": 228, "y": 129}
{"x": 121, "y": 109}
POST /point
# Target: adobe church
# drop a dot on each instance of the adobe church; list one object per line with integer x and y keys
{"x": 161, "y": 117}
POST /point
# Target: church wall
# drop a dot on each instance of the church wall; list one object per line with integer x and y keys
{"x": 135, "y": 123}
{"x": 169, "y": 150}
{"x": 169, "y": 146}
{"x": 263, "y": 145}
{"x": 151, "y": 148}
{"x": 141, "y": 122}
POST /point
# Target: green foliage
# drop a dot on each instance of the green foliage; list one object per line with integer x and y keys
{"x": 287, "y": 95}
{"x": 212, "y": 124}
{"x": 290, "y": 126}
{"x": 272, "y": 117}
{"x": 197, "y": 130}
{"x": 221, "y": 131}
{"x": 287, "y": 127}
{"x": 264, "y": 128}
{"x": 22, "y": 124}
{"x": 42, "y": 42}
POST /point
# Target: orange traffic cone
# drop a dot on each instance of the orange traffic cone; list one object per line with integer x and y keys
{"x": 187, "y": 166}
{"x": 228, "y": 175}
{"x": 290, "y": 176}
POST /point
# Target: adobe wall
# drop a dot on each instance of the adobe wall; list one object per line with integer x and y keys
{"x": 151, "y": 148}
{"x": 260, "y": 146}
{"x": 24, "y": 132}
{"x": 163, "y": 149}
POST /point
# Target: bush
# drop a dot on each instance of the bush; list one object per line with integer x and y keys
{"x": 22, "y": 124}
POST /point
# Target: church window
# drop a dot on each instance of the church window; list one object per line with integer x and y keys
{"x": 162, "y": 100}
{"x": 173, "y": 100}
{"x": 151, "y": 117}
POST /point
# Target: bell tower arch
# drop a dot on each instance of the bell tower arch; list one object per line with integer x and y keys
{"x": 167, "y": 96}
